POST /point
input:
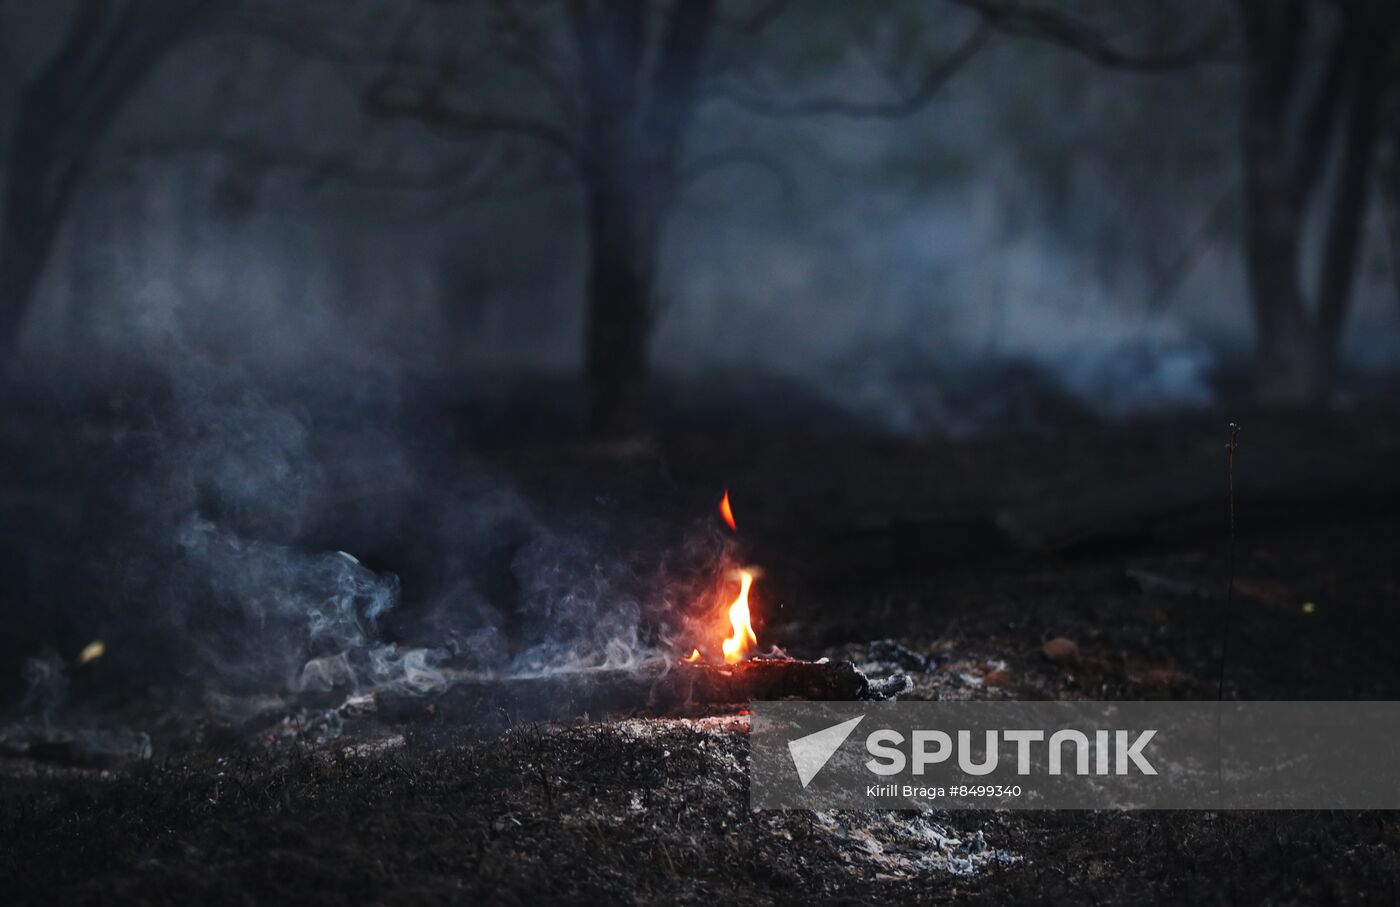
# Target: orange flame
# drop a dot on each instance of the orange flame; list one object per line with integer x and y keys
{"x": 694, "y": 656}
{"x": 742, "y": 640}
{"x": 727, "y": 512}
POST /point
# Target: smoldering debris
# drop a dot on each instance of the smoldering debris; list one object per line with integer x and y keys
{"x": 474, "y": 704}
{"x": 301, "y": 623}
{"x": 87, "y": 747}
{"x": 657, "y": 687}
{"x": 43, "y": 732}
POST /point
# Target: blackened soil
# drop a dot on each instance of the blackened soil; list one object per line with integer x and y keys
{"x": 598, "y": 814}
{"x": 861, "y": 542}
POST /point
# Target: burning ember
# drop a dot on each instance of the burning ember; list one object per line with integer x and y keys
{"x": 742, "y": 640}
{"x": 693, "y": 657}
{"x": 727, "y": 512}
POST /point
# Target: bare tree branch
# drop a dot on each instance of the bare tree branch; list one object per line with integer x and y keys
{"x": 910, "y": 103}
{"x": 706, "y": 164}
{"x": 755, "y": 22}
{"x": 524, "y": 48}
{"x": 313, "y": 45}
{"x": 476, "y": 174}
{"x": 429, "y": 108}
{"x": 1045, "y": 23}
{"x": 676, "y": 76}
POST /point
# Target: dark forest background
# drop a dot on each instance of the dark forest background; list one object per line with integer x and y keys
{"x": 267, "y": 269}
{"x": 864, "y": 204}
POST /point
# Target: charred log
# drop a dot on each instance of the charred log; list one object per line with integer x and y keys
{"x": 652, "y": 689}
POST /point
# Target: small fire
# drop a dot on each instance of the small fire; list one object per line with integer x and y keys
{"x": 742, "y": 640}
{"x": 726, "y": 511}
{"x": 694, "y": 656}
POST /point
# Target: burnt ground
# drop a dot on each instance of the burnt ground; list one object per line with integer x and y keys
{"x": 977, "y": 552}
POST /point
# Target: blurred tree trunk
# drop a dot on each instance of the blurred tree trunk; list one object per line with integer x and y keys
{"x": 26, "y": 239}
{"x": 61, "y": 115}
{"x": 635, "y": 123}
{"x": 1390, "y": 196}
{"x": 1273, "y": 210}
{"x": 1291, "y": 128}
{"x": 39, "y": 179}
{"x": 1303, "y": 119}
{"x": 620, "y": 313}
{"x": 623, "y": 108}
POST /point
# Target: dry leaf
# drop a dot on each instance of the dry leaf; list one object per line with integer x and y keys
{"x": 1061, "y": 650}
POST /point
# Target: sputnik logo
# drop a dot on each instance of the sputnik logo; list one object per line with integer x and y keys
{"x": 811, "y": 753}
